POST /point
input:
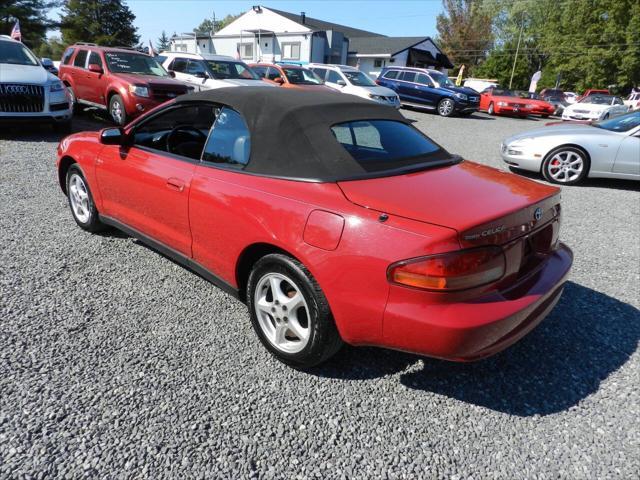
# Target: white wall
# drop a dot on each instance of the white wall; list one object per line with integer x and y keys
{"x": 227, "y": 45}
{"x": 267, "y": 20}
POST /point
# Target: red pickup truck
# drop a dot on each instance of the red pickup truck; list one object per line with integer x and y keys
{"x": 124, "y": 82}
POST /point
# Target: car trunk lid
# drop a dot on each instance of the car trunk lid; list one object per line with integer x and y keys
{"x": 485, "y": 205}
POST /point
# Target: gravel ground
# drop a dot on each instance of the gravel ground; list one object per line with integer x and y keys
{"x": 116, "y": 362}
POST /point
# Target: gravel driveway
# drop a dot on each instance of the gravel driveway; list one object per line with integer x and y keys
{"x": 117, "y": 363}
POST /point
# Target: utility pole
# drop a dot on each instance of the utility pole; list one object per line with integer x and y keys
{"x": 516, "y": 57}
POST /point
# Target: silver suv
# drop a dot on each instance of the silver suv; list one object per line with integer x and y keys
{"x": 28, "y": 93}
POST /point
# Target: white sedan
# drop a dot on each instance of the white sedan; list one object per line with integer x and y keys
{"x": 595, "y": 107}
{"x": 568, "y": 153}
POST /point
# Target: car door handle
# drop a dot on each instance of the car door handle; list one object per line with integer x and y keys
{"x": 175, "y": 184}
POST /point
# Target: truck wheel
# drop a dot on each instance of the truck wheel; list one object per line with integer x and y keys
{"x": 117, "y": 111}
{"x": 290, "y": 313}
{"x": 446, "y": 107}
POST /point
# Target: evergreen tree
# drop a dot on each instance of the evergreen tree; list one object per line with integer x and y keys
{"x": 33, "y": 19}
{"x": 105, "y": 22}
{"x": 207, "y": 24}
{"x": 163, "y": 42}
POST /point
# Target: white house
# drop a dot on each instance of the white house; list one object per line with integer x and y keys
{"x": 265, "y": 34}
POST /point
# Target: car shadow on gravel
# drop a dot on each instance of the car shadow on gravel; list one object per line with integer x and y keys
{"x": 586, "y": 338}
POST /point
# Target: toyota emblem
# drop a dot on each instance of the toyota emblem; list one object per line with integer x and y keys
{"x": 537, "y": 215}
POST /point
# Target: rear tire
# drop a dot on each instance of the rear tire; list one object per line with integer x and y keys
{"x": 117, "y": 111}
{"x": 290, "y": 313}
{"x": 81, "y": 202}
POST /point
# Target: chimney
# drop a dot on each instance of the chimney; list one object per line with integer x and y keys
{"x": 304, "y": 17}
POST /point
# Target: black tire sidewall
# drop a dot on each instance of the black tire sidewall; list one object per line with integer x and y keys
{"x": 118, "y": 98}
{"x": 321, "y": 343}
{"x": 547, "y": 160}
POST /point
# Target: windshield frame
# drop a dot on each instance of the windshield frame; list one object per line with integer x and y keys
{"x": 447, "y": 81}
{"x": 597, "y": 95}
{"x": 137, "y": 54}
{"x": 305, "y": 71}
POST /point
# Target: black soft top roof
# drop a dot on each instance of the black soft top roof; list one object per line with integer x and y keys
{"x": 291, "y": 129}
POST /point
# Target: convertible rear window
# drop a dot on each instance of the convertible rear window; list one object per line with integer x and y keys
{"x": 379, "y": 145}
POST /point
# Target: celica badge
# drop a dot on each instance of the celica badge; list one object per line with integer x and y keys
{"x": 537, "y": 214}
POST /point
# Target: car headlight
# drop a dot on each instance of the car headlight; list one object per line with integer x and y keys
{"x": 56, "y": 87}
{"x": 530, "y": 105}
{"x": 502, "y": 104}
{"x": 375, "y": 97}
{"x": 461, "y": 96}
{"x": 139, "y": 91}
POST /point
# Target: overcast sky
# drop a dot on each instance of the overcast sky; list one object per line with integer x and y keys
{"x": 389, "y": 17}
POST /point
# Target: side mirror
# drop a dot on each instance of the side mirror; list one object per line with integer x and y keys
{"x": 112, "y": 136}
{"x": 342, "y": 83}
{"x": 172, "y": 74}
{"x": 95, "y": 68}
{"x": 279, "y": 80}
{"x": 201, "y": 75}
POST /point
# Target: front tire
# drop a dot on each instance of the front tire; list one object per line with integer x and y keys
{"x": 446, "y": 107}
{"x": 83, "y": 208}
{"x": 117, "y": 110}
{"x": 491, "y": 109}
{"x": 290, "y": 313}
{"x": 566, "y": 166}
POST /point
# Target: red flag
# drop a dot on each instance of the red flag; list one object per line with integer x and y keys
{"x": 15, "y": 32}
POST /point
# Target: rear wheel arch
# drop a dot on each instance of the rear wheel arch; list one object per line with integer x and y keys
{"x": 248, "y": 258}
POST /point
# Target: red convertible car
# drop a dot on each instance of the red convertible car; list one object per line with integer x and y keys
{"x": 497, "y": 101}
{"x": 332, "y": 217}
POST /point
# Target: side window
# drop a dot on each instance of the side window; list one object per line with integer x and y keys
{"x": 181, "y": 131}
{"x": 408, "y": 76}
{"x": 334, "y": 77}
{"x": 195, "y": 67}
{"x": 229, "y": 143}
{"x": 391, "y": 74}
{"x": 66, "y": 58}
{"x": 94, "y": 58}
{"x": 273, "y": 73}
{"x": 179, "y": 65}
{"x": 81, "y": 59}
{"x": 260, "y": 71}
{"x": 617, "y": 101}
{"x": 321, "y": 72}
{"x": 423, "y": 79}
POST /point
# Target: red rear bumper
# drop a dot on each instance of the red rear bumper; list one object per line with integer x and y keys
{"x": 478, "y": 328}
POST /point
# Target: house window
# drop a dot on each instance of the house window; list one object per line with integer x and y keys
{"x": 246, "y": 50}
{"x": 377, "y": 63}
{"x": 291, "y": 51}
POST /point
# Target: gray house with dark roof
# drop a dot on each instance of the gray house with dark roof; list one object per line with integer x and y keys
{"x": 265, "y": 34}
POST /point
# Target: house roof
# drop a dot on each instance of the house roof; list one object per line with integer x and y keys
{"x": 382, "y": 45}
{"x": 316, "y": 24}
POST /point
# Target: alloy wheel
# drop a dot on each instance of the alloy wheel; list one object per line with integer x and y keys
{"x": 116, "y": 112}
{"x": 565, "y": 166}
{"x": 282, "y": 312}
{"x": 79, "y": 197}
{"x": 445, "y": 108}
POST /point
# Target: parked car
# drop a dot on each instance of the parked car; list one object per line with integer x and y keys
{"x": 633, "y": 101}
{"x": 124, "y": 82}
{"x": 571, "y": 97}
{"x": 559, "y": 102}
{"x": 48, "y": 65}
{"x": 290, "y": 76}
{"x": 498, "y": 101}
{"x": 332, "y": 217}
{"x": 595, "y": 107}
{"x": 430, "y": 89}
{"x": 28, "y": 92}
{"x": 537, "y": 105}
{"x": 568, "y": 154}
{"x": 350, "y": 80}
{"x": 205, "y": 71}
{"x": 593, "y": 91}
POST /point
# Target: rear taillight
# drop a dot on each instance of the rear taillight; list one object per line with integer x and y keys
{"x": 450, "y": 271}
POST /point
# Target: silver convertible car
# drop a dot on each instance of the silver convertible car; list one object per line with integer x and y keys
{"x": 568, "y": 153}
